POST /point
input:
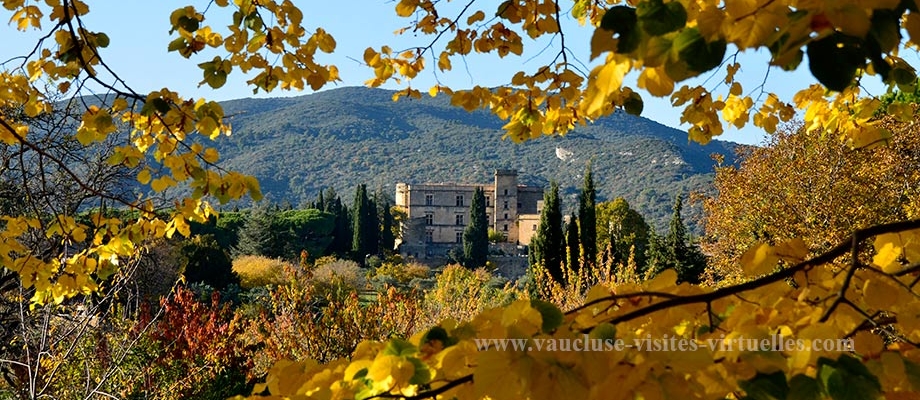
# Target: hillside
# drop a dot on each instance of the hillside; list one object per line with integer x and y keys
{"x": 338, "y": 138}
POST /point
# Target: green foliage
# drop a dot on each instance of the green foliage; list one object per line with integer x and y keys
{"x": 676, "y": 251}
{"x": 205, "y": 261}
{"x": 365, "y": 230}
{"x": 547, "y": 248}
{"x": 256, "y": 236}
{"x": 587, "y": 219}
{"x": 572, "y": 244}
{"x": 623, "y": 230}
{"x": 225, "y": 228}
{"x": 476, "y": 234}
{"x": 496, "y": 236}
{"x": 341, "y": 231}
{"x": 307, "y": 230}
{"x": 387, "y": 226}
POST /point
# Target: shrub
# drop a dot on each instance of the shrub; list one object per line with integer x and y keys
{"x": 206, "y": 262}
{"x": 460, "y": 294}
{"x": 257, "y": 271}
{"x": 339, "y": 276}
{"x": 401, "y": 272}
{"x": 301, "y": 322}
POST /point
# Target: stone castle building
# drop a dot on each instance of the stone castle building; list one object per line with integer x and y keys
{"x": 439, "y": 212}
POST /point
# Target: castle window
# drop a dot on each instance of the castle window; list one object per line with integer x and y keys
{"x": 488, "y": 201}
{"x": 429, "y": 200}
{"x": 519, "y": 205}
{"x": 505, "y": 228}
{"x": 506, "y": 215}
{"x": 458, "y": 237}
{"x": 506, "y": 192}
{"x": 429, "y": 236}
{"x": 458, "y": 219}
{"x": 534, "y": 228}
{"x": 505, "y": 205}
{"x": 459, "y": 200}
{"x": 429, "y": 219}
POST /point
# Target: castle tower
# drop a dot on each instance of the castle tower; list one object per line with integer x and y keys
{"x": 506, "y": 204}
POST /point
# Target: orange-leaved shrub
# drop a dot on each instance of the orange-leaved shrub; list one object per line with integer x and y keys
{"x": 324, "y": 315}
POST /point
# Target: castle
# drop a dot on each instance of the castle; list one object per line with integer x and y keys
{"x": 439, "y": 212}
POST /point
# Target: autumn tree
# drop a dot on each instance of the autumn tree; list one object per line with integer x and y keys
{"x": 810, "y": 186}
{"x": 547, "y": 248}
{"x": 476, "y": 234}
{"x": 587, "y": 220}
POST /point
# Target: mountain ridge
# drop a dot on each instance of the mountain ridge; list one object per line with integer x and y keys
{"x": 341, "y": 137}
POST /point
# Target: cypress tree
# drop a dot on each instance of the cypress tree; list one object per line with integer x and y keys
{"x": 341, "y": 233}
{"x": 686, "y": 258}
{"x": 387, "y": 237}
{"x": 547, "y": 247}
{"x": 362, "y": 233}
{"x": 655, "y": 257}
{"x": 476, "y": 234}
{"x": 320, "y": 203}
{"x": 372, "y": 221}
{"x": 587, "y": 220}
{"x": 572, "y": 242}
{"x": 329, "y": 200}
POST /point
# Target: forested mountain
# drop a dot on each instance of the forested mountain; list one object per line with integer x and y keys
{"x": 339, "y": 138}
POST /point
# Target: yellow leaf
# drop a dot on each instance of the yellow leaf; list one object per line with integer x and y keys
{"x": 793, "y": 251}
{"x": 183, "y": 227}
{"x": 78, "y": 235}
{"x": 160, "y": 184}
{"x": 602, "y": 41}
{"x": 735, "y": 89}
{"x": 902, "y": 112}
{"x": 390, "y": 372}
{"x": 144, "y": 176}
{"x": 887, "y": 252}
{"x": 879, "y": 295}
{"x": 666, "y": 279}
{"x": 656, "y": 81}
{"x": 85, "y": 136}
{"x": 608, "y": 80}
{"x": 444, "y": 61}
{"x": 851, "y": 19}
{"x": 476, "y": 17}
{"x": 758, "y": 260}
{"x": 912, "y": 25}
{"x": 405, "y": 8}
{"x": 868, "y": 136}
{"x": 868, "y": 344}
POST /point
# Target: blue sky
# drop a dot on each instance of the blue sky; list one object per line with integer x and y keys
{"x": 139, "y": 36}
